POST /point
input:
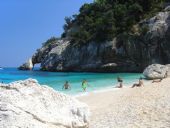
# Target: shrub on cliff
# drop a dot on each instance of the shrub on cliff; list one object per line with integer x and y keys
{"x": 50, "y": 41}
{"x": 104, "y": 19}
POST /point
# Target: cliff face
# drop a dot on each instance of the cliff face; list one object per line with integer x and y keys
{"x": 126, "y": 53}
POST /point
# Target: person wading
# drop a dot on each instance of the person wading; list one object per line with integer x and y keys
{"x": 120, "y": 81}
{"x": 66, "y": 86}
{"x": 84, "y": 85}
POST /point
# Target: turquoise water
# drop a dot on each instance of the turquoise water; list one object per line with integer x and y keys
{"x": 56, "y": 80}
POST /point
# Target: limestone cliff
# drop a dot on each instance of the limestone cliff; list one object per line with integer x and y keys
{"x": 125, "y": 53}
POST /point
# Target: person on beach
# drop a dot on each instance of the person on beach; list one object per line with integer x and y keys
{"x": 166, "y": 74}
{"x": 84, "y": 85}
{"x": 66, "y": 86}
{"x": 139, "y": 84}
{"x": 157, "y": 80}
{"x": 160, "y": 80}
{"x": 120, "y": 81}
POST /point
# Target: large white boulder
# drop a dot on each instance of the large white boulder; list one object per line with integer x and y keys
{"x": 155, "y": 71}
{"x": 26, "y": 104}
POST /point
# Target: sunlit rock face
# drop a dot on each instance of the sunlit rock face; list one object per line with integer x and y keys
{"x": 26, "y": 104}
{"x": 156, "y": 71}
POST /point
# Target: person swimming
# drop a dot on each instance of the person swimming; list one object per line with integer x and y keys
{"x": 84, "y": 85}
{"x": 66, "y": 86}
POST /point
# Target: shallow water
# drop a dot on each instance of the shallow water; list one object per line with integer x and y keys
{"x": 96, "y": 81}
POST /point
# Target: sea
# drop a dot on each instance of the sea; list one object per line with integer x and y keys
{"x": 56, "y": 80}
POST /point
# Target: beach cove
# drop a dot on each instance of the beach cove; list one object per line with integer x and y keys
{"x": 87, "y": 64}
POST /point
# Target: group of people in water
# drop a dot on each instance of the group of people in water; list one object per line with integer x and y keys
{"x": 85, "y": 84}
{"x": 67, "y": 86}
{"x": 140, "y": 83}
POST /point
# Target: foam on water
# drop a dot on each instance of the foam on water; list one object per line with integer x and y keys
{"x": 97, "y": 81}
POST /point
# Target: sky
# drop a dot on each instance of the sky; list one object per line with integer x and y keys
{"x": 26, "y": 24}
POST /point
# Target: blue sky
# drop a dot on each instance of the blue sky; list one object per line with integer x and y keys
{"x": 26, "y": 24}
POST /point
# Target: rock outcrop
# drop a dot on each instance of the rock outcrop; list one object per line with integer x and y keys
{"x": 27, "y": 66}
{"x": 126, "y": 53}
{"x": 156, "y": 71}
{"x": 26, "y": 104}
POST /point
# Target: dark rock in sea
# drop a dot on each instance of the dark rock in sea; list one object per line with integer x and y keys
{"x": 126, "y": 53}
{"x": 27, "y": 66}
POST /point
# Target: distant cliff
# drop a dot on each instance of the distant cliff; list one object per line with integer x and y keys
{"x": 127, "y": 52}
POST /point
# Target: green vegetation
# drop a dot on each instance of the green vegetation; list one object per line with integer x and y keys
{"x": 104, "y": 19}
{"x": 50, "y": 41}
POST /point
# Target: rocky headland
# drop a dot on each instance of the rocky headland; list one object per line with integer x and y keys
{"x": 125, "y": 53}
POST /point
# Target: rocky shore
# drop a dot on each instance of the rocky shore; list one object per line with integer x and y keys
{"x": 26, "y": 104}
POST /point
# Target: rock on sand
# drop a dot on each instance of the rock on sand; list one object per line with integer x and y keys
{"x": 26, "y": 104}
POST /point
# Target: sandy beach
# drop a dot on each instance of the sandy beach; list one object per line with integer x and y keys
{"x": 141, "y": 107}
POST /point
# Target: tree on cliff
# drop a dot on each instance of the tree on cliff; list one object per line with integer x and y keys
{"x": 104, "y": 19}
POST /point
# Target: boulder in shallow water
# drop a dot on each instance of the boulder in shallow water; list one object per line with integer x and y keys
{"x": 27, "y": 104}
{"x": 155, "y": 71}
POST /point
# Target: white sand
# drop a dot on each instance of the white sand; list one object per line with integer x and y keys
{"x": 144, "y": 107}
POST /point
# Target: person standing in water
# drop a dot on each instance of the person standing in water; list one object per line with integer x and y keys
{"x": 66, "y": 86}
{"x": 120, "y": 81}
{"x": 84, "y": 85}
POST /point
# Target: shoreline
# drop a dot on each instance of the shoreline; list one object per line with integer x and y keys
{"x": 108, "y": 89}
{"x": 139, "y": 107}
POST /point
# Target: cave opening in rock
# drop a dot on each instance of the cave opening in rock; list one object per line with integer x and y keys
{"x": 37, "y": 66}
